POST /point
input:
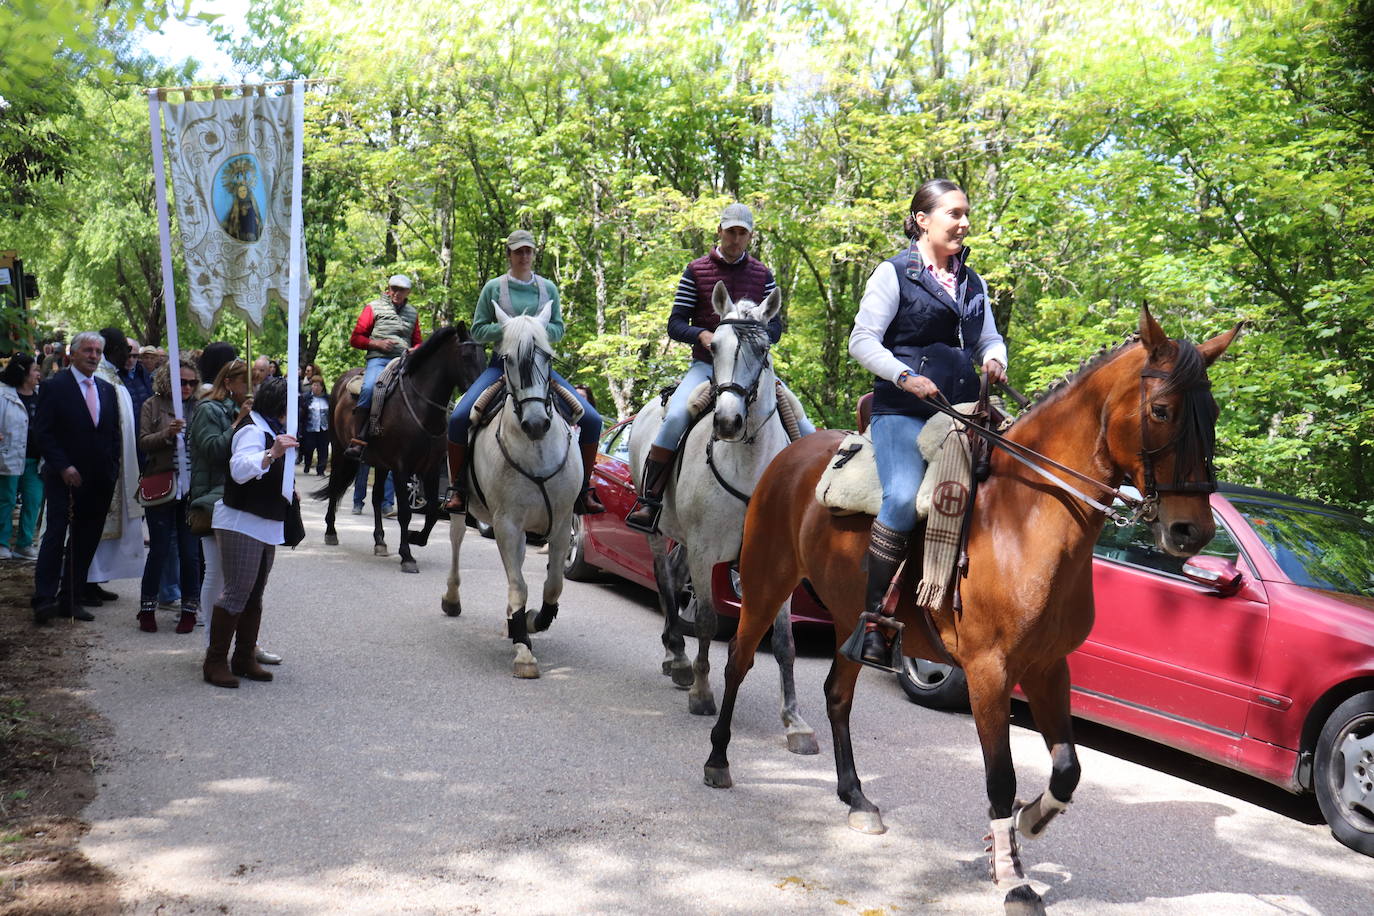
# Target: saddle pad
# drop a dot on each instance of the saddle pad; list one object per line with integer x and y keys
{"x": 355, "y": 385}
{"x": 850, "y": 484}
{"x": 700, "y": 400}
{"x": 382, "y": 391}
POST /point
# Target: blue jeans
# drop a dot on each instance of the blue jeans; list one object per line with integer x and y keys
{"x": 589, "y": 427}
{"x": 360, "y": 487}
{"x": 28, "y": 486}
{"x": 166, "y": 526}
{"x": 675, "y": 419}
{"x": 900, "y": 467}
{"x": 169, "y": 592}
{"x": 374, "y": 368}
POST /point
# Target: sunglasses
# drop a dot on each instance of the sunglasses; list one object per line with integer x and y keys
{"x": 188, "y": 383}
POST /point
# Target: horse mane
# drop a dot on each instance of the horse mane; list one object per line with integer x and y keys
{"x": 521, "y": 335}
{"x": 754, "y": 334}
{"x": 433, "y": 344}
{"x": 1058, "y": 388}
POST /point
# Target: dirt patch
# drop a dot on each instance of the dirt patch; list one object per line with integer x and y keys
{"x": 46, "y": 768}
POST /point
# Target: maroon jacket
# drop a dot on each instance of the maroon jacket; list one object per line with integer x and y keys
{"x": 692, "y": 313}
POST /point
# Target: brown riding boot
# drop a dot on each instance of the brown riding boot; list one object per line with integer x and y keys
{"x": 354, "y": 452}
{"x": 216, "y": 667}
{"x": 457, "y": 495}
{"x": 588, "y": 502}
{"x": 644, "y": 516}
{"x": 245, "y": 661}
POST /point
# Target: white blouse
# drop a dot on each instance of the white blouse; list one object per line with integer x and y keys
{"x": 245, "y": 464}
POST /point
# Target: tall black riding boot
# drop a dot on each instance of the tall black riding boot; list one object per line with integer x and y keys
{"x": 644, "y": 516}
{"x": 886, "y": 550}
{"x": 361, "y": 416}
{"x": 457, "y": 493}
{"x": 588, "y": 502}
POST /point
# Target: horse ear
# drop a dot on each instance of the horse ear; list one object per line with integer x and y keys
{"x": 1152, "y": 335}
{"x": 720, "y": 299}
{"x": 1212, "y": 349}
{"x": 546, "y": 313}
{"x": 462, "y": 329}
{"x": 501, "y": 316}
{"x": 771, "y": 305}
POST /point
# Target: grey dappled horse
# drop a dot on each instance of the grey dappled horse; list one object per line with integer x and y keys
{"x": 523, "y": 475}
{"x": 741, "y": 436}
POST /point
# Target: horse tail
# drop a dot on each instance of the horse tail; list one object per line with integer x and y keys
{"x": 342, "y": 472}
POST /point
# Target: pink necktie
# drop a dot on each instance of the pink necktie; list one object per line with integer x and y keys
{"x": 91, "y": 403}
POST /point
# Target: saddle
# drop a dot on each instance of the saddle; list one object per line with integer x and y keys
{"x": 488, "y": 405}
{"x": 387, "y": 385}
{"x": 703, "y": 398}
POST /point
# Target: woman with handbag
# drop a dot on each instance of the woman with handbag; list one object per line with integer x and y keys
{"x": 19, "y": 477}
{"x": 249, "y": 523}
{"x": 162, "y": 490}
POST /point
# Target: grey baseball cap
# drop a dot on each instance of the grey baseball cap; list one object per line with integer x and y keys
{"x": 520, "y": 238}
{"x": 736, "y": 215}
{"x": 400, "y": 280}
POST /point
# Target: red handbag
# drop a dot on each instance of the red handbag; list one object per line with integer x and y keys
{"x": 156, "y": 489}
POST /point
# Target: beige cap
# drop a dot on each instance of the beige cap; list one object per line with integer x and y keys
{"x": 736, "y": 215}
{"x": 520, "y": 238}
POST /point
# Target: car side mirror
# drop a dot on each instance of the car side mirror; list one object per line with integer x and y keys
{"x": 1217, "y": 573}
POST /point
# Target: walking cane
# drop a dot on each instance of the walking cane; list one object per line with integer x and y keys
{"x": 69, "y": 556}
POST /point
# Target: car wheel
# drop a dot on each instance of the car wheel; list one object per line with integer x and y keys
{"x": 933, "y": 685}
{"x": 1344, "y": 776}
{"x": 575, "y": 566}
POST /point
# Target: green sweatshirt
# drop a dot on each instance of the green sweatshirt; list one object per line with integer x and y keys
{"x": 524, "y": 300}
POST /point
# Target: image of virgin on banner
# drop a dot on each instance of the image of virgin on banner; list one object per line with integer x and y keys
{"x": 230, "y": 161}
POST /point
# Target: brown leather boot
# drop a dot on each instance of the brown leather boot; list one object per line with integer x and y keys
{"x": 358, "y": 443}
{"x": 245, "y": 661}
{"x": 644, "y": 516}
{"x": 216, "y": 667}
{"x": 588, "y": 502}
{"x": 457, "y": 494}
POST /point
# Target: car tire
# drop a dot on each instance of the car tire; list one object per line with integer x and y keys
{"x": 933, "y": 685}
{"x": 1345, "y": 761}
{"x": 575, "y": 565}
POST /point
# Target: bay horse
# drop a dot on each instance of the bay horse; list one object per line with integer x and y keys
{"x": 704, "y": 503}
{"x": 414, "y": 423}
{"x": 524, "y": 473}
{"x": 1144, "y": 411}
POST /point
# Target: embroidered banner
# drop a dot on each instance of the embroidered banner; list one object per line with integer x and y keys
{"x": 231, "y": 163}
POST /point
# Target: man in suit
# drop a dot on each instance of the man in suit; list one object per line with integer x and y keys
{"x": 76, "y": 423}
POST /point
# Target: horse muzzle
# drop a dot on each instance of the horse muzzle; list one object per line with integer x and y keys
{"x": 1184, "y": 537}
{"x": 535, "y": 427}
{"x": 729, "y": 426}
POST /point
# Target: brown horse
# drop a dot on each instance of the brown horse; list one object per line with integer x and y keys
{"x": 414, "y": 426}
{"x": 1143, "y": 410}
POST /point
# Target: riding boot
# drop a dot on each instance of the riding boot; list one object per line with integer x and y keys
{"x": 245, "y": 662}
{"x": 457, "y": 492}
{"x": 644, "y": 516}
{"x": 216, "y": 667}
{"x": 361, "y": 418}
{"x": 588, "y": 503}
{"x": 886, "y": 549}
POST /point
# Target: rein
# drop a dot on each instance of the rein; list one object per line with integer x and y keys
{"x": 750, "y": 328}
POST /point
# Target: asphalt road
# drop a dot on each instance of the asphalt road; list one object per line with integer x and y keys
{"x": 395, "y": 766}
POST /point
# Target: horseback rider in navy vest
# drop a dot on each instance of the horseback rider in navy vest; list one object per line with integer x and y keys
{"x": 923, "y": 324}
{"x": 386, "y": 328}
{"x": 693, "y": 320}
{"x": 520, "y": 291}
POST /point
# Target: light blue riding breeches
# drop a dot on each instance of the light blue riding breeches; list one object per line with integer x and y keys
{"x": 675, "y": 418}
{"x": 901, "y": 467}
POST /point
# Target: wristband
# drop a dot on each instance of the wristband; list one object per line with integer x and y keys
{"x": 903, "y": 376}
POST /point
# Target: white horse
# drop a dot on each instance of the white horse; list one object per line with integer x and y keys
{"x": 524, "y": 474}
{"x": 704, "y": 502}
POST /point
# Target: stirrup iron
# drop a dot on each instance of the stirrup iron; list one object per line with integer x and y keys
{"x": 854, "y": 645}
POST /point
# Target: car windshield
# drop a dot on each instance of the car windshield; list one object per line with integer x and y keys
{"x": 1314, "y": 548}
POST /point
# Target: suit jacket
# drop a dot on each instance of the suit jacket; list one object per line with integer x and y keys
{"x": 67, "y": 437}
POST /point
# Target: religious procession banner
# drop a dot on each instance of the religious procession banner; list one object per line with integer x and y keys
{"x": 232, "y": 178}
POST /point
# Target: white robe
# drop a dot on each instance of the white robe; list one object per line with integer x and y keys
{"x": 121, "y": 552}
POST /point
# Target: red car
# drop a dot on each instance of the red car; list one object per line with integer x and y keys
{"x": 603, "y": 542}
{"x": 1257, "y": 654}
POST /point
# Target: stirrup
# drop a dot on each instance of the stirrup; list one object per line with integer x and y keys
{"x": 448, "y": 499}
{"x": 853, "y": 646}
{"x": 652, "y": 526}
{"x": 355, "y": 449}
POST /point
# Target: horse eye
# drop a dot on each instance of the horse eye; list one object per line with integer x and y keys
{"x": 1159, "y": 412}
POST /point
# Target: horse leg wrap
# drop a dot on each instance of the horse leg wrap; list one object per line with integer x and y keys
{"x": 1032, "y": 819}
{"x": 515, "y": 627}
{"x": 544, "y": 619}
{"x": 1006, "y": 857}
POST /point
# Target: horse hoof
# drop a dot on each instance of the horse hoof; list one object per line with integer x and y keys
{"x": 451, "y": 608}
{"x": 417, "y": 538}
{"x": 526, "y": 666}
{"x": 331, "y": 540}
{"x": 379, "y": 550}
{"x": 409, "y": 566}
{"x": 1022, "y": 900}
{"x": 682, "y": 677}
{"x": 718, "y": 777}
{"x": 869, "y": 822}
{"x": 701, "y": 706}
{"x": 667, "y": 667}
{"x": 803, "y": 743}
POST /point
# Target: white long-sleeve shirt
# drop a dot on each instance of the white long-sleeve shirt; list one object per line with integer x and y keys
{"x": 876, "y": 310}
{"x": 245, "y": 464}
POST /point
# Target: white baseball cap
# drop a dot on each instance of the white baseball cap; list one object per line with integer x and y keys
{"x": 400, "y": 280}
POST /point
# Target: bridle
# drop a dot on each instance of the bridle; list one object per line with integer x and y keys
{"x": 747, "y": 330}
{"x": 519, "y": 403}
{"x": 1189, "y": 431}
